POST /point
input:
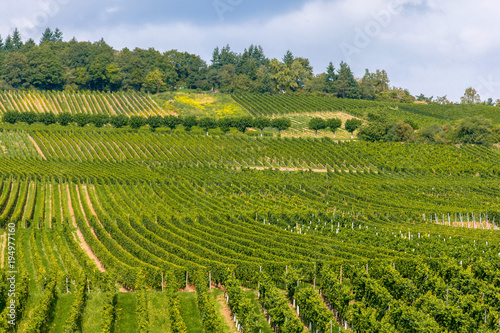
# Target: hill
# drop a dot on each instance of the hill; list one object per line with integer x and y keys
{"x": 138, "y": 207}
{"x": 422, "y": 114}
{"x": 79, "y": 102}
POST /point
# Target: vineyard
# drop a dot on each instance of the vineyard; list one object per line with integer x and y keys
{"x": 128, "y": 104}
{"x": 423, "y": 114}
{"x": 113, "y": 230}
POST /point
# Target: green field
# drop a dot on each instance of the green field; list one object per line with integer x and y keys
{"x": 120, "y": 230}
{"x": 422, "y": 114}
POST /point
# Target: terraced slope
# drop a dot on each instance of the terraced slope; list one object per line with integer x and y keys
{"x": 394, "y": 235}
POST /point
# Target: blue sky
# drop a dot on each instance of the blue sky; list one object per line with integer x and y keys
{"x": 435, "y": 47}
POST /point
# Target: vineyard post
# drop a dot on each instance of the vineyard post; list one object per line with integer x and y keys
{"x": 210, "y": 280}
{"x": 161, "y": 281}
{"x": 88, "y": 285}
{"x": 67, "y": 290}
{"x": 187, "y": 275}
{"x": 258, "y": 291}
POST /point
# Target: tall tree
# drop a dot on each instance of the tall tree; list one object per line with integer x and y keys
{"x": 331, "y": 77}
{"x": 288, "y": 58}
{"x": 14, "y": 69}
{"x": 471, "y": 96}
{"x": 45, "y": 68}
{"x": 57, "y": 36}
{"x": 9, "y": 46}
{"x": 47, "y": 36}
{"x": 17, "y": 42}
{"x": 346, "y": 86}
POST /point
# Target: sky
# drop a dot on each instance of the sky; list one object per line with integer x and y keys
{"x": 434, "y": 47}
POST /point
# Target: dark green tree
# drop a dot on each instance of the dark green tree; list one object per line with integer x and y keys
{"x": 172, "y": 122}
{"x": 316, "y": 124}
{"x": 28, "y": 117}
{"x": 99, "y": 119}
{"x": 64, "y": 118}
{"x": 10, "y": 117}
{"x": 137, "y": 122}
{"x": 44, "y": 68}
{"x": 154, "y": 122}
{"x": 47, "y": 118}
{"x": 15, "y": 69}
{"x": 333, "y": 124}
{"x": 331, "y": 77}
{"x": 288, "y": 58}
{"x": 207, "y": 123}
{"x": 118, "y": 121}
{"x": 225, "y": 124}
{"x": 189, "y": 122}
{"x": 345, "y": 85}
{"x": 17, "y": 42}
{"x": 261, "y": 123}
{"x": 281, "y": 124}
{"x": 47, "y": 36}
{"x": 352, "y": 125}
{"x": 82, "y": 119}
{"x": 57, "y": 36}
{"x": 242, "y": 123}
{"x": 474, "y": 130}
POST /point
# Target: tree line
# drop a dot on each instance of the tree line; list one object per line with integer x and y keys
{"x": 153, "y": 122}
{"x": 472, "y": 130}
{"x": 55, "y": 64}
{"x": 333, "y": 124}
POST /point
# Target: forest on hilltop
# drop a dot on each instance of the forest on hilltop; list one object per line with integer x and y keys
{"x": 54, "y": 64}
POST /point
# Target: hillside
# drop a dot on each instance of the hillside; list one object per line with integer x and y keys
{"x": 79, "y": 102}
{"x": 137, "y": 208}
{"x": 421, "y": 113}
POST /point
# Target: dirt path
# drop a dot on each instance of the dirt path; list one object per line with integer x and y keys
{"x": 37, "y": 147}
{"x": 81, "y": 239}
{"x": 226, "y": 313}
{"x": 3, "y": 246}
{"x": 85, "y": 193}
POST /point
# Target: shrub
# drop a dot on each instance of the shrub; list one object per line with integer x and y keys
{"x": 64, "y": 118}
{"x": 118, "y": 121}
{"x": 137, "y": 122}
